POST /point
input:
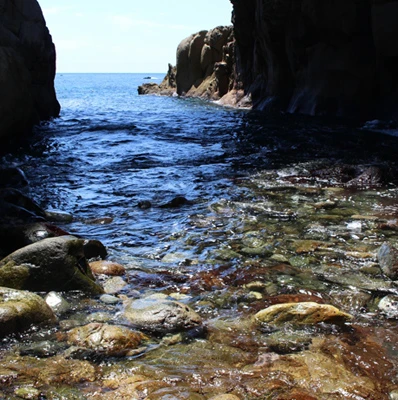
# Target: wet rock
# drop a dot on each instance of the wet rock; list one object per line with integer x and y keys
{"x": 57, "y": 303}
{"x": 94, "y": 249}
{"x": 17, "y": 206}
{"x": 108, "y": 299}
{"x": 114, "y": 285}
{"x": 144, "y": 204}
{"x": 58, "y": 216}
{"x": 16, "y": 236}
{"x": 55, "y": 264}
{"x": 178, "y": 201}
{"x": 225, "y": 397}
{"x": 111, "y": 340}
{"x": 107, "y": 268}
{"x": 389, "y": 306}
{"x": 20, "y": 309}
{"x": 307, "y": 313}
{"x": 284, "y": 342}
{"x": 99, "y": 221}
{"x": 372, "y": 176}
{"x": 12, "y": 177}
{"x": 27, "y": 393}
{"x": 41, "y": 349}
{"x": 388, "y": 260}
{"x": 160, "y": 316}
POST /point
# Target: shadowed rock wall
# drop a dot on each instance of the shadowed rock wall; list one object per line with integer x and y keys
{"x": 329, "y": 57}
{"x": 27, "y": 69}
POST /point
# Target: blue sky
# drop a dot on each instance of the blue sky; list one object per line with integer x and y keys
{"x": 126, "y": 35}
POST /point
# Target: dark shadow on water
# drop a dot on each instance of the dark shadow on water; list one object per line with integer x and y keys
{"x": 264, "y": 141}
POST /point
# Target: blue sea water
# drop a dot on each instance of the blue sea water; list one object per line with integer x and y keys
{"x": 112, "y": 149}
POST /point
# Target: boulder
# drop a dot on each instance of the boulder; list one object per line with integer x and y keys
{"x": 111, "y": 340}
{"x": 20, "y": 309}
{"x": 55, "y": 264}
{"x": 160, "y": 316}
{"x": 27, "y": 69}
{"x": 306, "y": 313}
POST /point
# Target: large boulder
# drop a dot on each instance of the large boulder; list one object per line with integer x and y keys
{"x": 27, "y": 68}
{"x": 20, "y": 309}
{"x": 54, "y": 264}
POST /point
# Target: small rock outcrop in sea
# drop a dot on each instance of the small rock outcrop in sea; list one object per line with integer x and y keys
{"x": 160, "y": 316}
{"x": 307, "y": 313}
{"x": 51, "y": 264}
{"x": 20, "y": 309}
{"x": 205, "y": 68}
{"x": 27, "y": 69}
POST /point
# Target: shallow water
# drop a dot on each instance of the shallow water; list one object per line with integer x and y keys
{"x": 270, "y": 218}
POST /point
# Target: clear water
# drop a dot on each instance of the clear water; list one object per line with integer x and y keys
{"x": 252, "y": 181}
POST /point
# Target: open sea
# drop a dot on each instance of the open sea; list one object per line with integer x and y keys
{"x": 230, "y": 209}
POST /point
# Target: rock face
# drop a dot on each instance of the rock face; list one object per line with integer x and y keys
{"x": 319, "y": 57}
{"x": 27, "y": 68}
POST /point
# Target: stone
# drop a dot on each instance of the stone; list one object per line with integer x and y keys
{"x": 114, "y": 285}
{"x": 388, "y": 306}
{"x": 107, "y": 268}
{"x": 94, "y": 249}
{"x": 54, "y": 264}
{"x": 27, "y": 393}
{"x": 20, "y": 309}
{"x": 305, "y": 313}
{"x": 109, "y": 299}
{"x": 388, "y": 260}
{"x": 57, "y": 303}
{"x": 224, "y": 397}
{"x": 160, "y": 316}
{"x": 27, "y": 69}
{"x": 112, "y": 340}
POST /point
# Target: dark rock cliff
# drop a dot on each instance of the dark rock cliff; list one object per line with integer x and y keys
{"x": 319, "y": 57}
{"x": 27, "y": 69}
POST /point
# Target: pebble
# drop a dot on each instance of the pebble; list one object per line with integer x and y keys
{"x": 109, "y": 299}
{"x": 114, "y": 285}
{"x": 57, "y": 303}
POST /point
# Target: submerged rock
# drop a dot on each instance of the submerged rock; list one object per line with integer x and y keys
{"x": 112, "y": 340}
{"x": 160, "y": 316}
{"x": 389, "y": 306}
{"x": 55, "y": 264}
{"x": 307, "y": 313}
{"x": 388, "y": 260}
{"x": 20, "y": 309}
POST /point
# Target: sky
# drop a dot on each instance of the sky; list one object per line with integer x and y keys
{"x": 126, "y": 35}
